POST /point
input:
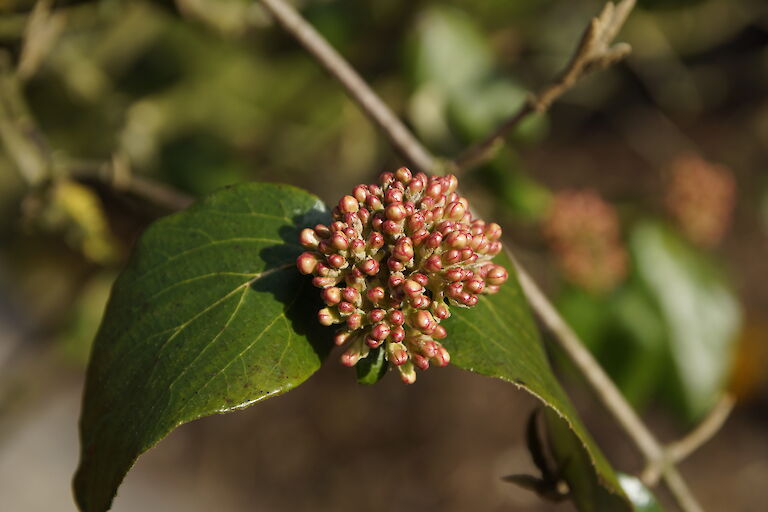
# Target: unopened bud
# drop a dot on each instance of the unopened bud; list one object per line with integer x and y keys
{"x": 307, "y": 262}
{"x": 497, "y": 275}
{"x": 309, "y": 239}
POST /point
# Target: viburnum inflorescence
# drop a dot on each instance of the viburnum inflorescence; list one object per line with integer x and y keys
{"x": 393, "y": 260}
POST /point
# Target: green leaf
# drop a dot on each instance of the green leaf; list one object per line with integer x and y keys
{"x": 209, "y": 316}
{"x": 498, "y": 338}
{"x": 640, "y": 496}
{"x": 372, "y": 369}
{"x": 699, "y": 309}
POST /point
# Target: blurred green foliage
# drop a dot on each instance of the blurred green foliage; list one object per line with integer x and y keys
{"x": 200, "y": 94}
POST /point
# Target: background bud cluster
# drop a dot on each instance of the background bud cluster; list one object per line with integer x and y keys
{"x": 395, "y": 258}
{"x": 584, "y": 233}
{"x": 701, "y": 197}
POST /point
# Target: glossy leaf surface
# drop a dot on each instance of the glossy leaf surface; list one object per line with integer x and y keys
{"x": 498, "y": 338}
{"x": 209, "y": 316}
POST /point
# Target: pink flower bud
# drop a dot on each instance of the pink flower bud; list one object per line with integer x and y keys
{"x": 348, "y": 204}
{"x": 419, "y": 237}
{"x": 455, "y": 210}
{"x": 457, "y": 240}
{"x": 393, "y": 196}
{"x": 360, "y": 193}
{"x": 475, "y": 285}
{"x": 411, "y": 288}
{"x": 354, "y": 321}
{"x": 373, "y": 203}
{"x": 493, "y": 231}
{"x": 451, "y": 257}
{"x": 375, "y": 294}
{"x": 375, "y": 240}
{"x": 351, "y": 295}
{"x": 427, "y": 348}
{"x": 454, "y": 274}
{"x": 397, "y": 354}
{"x": 324, "y": 282}
{"x": 441, "y": 311}
{"x": 386, "y": 179}
{"x": 341, "y": 337}
{"x": 396, "y": 212}
{"x": 397, "y": 334}
{"x": 415, "y": 222}
{"x": 403, "y": 250}
{"x": 395, "y": 265}
{"x": 497, "y": 275}
{"x": 434, "y": 240}
{"x": 307, "y": 262}
{"x": 308, "y": 238}
{"x": 339, "y": 241}
{"x": 439, "y": 332}
{"x": 370, "y": 267}
{"x": 363, "y": 216}
{"x": 395, "y": 280}
{"x": 421, "y": 362}
{"x": 443, "y": 357}
{"x": 420, "y": 302}
{"x": 322, "y": 231}
{"x": 346, "y": 308}
{"x": 391, "y": 228}
{"x": 403, "y": 175}
{"x": 423, "y": 321}
{"x": 396, "y": 317}
{"x": 337, "y": 260}
{"x": 327, "y": 317}
{"x": 377, "y": 315}
{"x": 380, "y": 331}
{"x": 331, "y": 295}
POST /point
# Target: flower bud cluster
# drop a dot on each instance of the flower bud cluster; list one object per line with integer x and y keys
{"x": 701, "y": 196}
{"x": 584, "y": 233}
{"x": 395, "y": 258}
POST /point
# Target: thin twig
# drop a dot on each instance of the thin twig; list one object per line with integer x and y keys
{"x": 602, "y": 31}
{"x": 596, "y": 51}
{"x": 681, "y": 449}
{"x": 117, "y": 175}
{"x": 18, "y": 131}
{"x": 393, "y": 128}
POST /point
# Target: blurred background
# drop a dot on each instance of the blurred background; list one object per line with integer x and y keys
{"x": 640, "y": 202}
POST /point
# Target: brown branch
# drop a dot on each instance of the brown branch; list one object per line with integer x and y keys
{"x": 598, "y": 38}
{"x": 595, "y": 52}
{"x": 681, "y": 449}
{"x": 118, "y": 176}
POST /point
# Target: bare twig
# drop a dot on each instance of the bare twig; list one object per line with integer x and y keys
{"x": 596, "y": 51}
{"x": 381, "y": 115}
{"x": 42, "y": 29}
{"x": 681, "y": 449}
{"x": 118, "y": 176}
{"x": 597, "y": 42}
{"x": 18, "y": 132}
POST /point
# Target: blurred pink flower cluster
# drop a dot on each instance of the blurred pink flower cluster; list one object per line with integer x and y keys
{"x": 584, "y": 233}
{"x": 701, "y": 197}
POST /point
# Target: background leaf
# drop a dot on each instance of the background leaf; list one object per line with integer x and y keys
{"x": 208, "y": 317}
{"x": 498, "y": 338}
{"x": 642, "y": 497}
{"x": 699, "y": 310}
